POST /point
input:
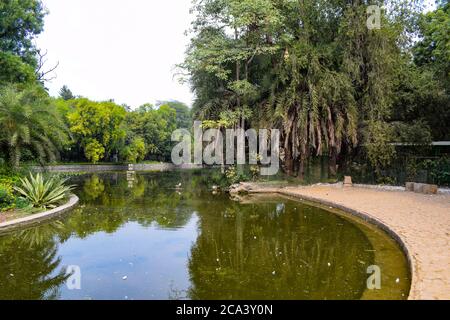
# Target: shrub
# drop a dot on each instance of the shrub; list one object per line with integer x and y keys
{"x": 44, "y": 193}
{"x": 233, "y": 176}
{"x": 7, "y": 199}
{"x": 135, "y": 152}
{"x": 94, "y": 151}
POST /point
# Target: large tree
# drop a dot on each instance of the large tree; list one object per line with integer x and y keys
{"x": 20, "y": 22}
{"x": 97, "y": 127}
{"x": 30, "y": 126}
{"x": 183, "y": 113}
{"x": 312, "y": 69}
{"x": 153, "y": 127}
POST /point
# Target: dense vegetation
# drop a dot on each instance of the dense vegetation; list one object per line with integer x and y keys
{"x": 311, "y": 68}
{"x": 38, "y": 129}
{"x": 314, "y": 70}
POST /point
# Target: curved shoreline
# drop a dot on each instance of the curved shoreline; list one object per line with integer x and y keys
{"x": 422, "y": 266}
{"x": 38, "y": 217}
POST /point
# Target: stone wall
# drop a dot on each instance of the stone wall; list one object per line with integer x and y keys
{"x": 104, "y": 168}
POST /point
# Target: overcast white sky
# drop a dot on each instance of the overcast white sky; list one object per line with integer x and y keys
{"x": 116, "y": 49}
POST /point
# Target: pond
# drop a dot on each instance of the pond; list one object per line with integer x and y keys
{"x": 137, "y": 236}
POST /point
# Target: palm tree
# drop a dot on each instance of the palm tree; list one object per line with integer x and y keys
{"x": 313, "y": 106}
{"x": 29, "y": 123}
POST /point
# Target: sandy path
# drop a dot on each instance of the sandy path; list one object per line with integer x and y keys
{"x": 422, "y": 222}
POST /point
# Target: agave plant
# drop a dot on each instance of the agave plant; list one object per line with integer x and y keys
{"x": 44, "y": 193}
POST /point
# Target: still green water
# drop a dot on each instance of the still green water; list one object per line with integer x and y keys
{"x": 138, "y": 237}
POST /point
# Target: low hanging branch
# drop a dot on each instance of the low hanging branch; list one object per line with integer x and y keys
{"x": 41, "y": 74}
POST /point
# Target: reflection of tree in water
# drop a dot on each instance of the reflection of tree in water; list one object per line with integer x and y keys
{"x": 28, "y": 261}
{"x": 93, "y": 187}
{"x": 108, "y": 203}
{"x": 259, "y": 252}
{"x": 28, "y": 264}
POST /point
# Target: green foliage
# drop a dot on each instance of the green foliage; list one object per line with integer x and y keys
{"x": 255, "y": 172}
{"x": 155, "y": 127}
{"x": 66, "y": 94}
{"x": 7, "y": 199}
{"x": 438, "y": 170}
{"x": 94, "y": 151}
{"x": 44, "y": 193}
{"x": 379, "y": 151}
{"x": 14, "y": 70}
{"x": 315, "y": 71}
{"x": 234, "y": 176}
{"x": 97, "y": 127}
{"x": 433, "y": 50}
{"x": 135, "y": 152}
{"x": 20, "y": 22}
{"x": 431, "y": 96}
{"x": 183, "y": 113}
{"x": 30, "y": 126}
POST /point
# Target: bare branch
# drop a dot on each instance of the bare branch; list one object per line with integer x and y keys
{"x": 42, "y": 75}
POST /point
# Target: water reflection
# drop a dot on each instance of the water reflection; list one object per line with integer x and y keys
{"x": 151, "y": 239}
{"x": 266, "y": 252}
{"x": 29, "y": 265}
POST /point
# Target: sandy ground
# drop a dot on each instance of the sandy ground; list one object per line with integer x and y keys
{"x": 421, "y": 221}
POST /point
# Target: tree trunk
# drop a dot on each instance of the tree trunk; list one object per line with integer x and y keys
{"x": 332, "y": 165}
{"x": 289, "y": 161}
{"x": 301, "y": 168}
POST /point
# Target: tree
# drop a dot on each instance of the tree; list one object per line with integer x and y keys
{"x": 20, "y": 23}
{"x": 183, "y": 113}
{"x": 155, "y": 127}
{"x": 94, "y": 151}
{"x": 312, "y": 69}
{"x": 14, "y": 70}
{"x": 433, "y": 50}
{"x": 29, "y": 125}
{"x": 430, "y": 75}
{"x": 136, "y": 151}
{"x": 66, "y": 94}
{"x": 96, "y": 124}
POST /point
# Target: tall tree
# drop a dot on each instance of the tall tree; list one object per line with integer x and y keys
{"x": 97, "y": 127}
{"x": 30, "y": 126}
{"x": 312, "y": 69}
{"x": 183, "y": 113}
{"x": 20, "y": 23}
{"x": 66, "y": 94}
{"x": 154, "y": 126}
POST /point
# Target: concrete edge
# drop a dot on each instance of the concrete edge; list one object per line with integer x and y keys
{"x": 90, "y": 168}
{"x": 38, "y": 217}
{"x": 414, "y": 291}
{"x": 441, "y": 190}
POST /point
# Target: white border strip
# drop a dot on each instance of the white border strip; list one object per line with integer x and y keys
{"x": 34, "y": 218}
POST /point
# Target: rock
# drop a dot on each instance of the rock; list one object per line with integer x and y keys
{"x": 418, "y": 187}
{"x": 422, "y": 188}
{"x": 430, "y": 189}
{"x": 246, "y": 186}
{"x": 239, "y": 189}
{"x": 410, "y": 186}
{"x": 348, "y": 181}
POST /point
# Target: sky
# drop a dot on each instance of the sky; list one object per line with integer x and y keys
{"x": 115, "y": 49}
